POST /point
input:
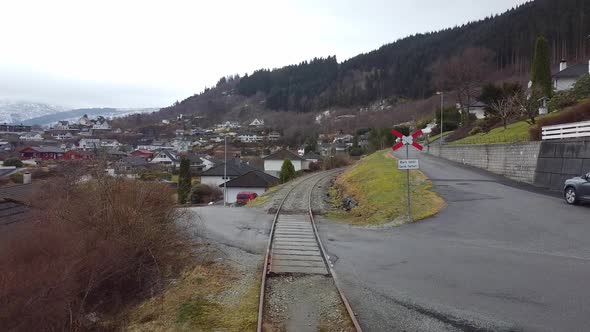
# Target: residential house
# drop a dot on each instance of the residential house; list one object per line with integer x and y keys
{"x": 254, "y": 181}
{"x": 326, "y": 149}
{"x": 568, "y": 76}
{"x": 167, "y": 158}
{"x": 345, "y": 138}
{"x": 155, "y": 146}
{"x": 61, "y": 135}
{"x": 10, "y": 128}
{"x": 196, "y": 163}
{"x": 42, "y": 152}
{"x": 145, "y": 154}
{"x": 100, "y": 124}
{"x": 86, "y": 144}
{"x": 274, "y": 161}
{"x": 478, "y": 109}
{"x": 130, "y": 165}
{"x": 182, "y": 145}
{"x": 221, "y": 173}
{"x": 79, "y": 155}
{"x": 84, "y": 120}
{"x": 232, "y": 152}
{"x": 310, "y": 157}
{"x": 250, "y": 138}
{"x": 256, "y": 123}
{"x": 31, "y": 137}
{"x": 110, "y": 144}
{"x": 62, "y": 125}
{"x": 14, "y": 203}
{"x": 209, "y": 162}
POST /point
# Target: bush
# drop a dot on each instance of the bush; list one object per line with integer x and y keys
{"x": 315, "y": 166}
{"x": 203, "y": 193}
{"x": 561, "y": 100}
{"x": 336, "y": 162}
{"x": 154, "y": 176}
{"x": 356, "y": 151}
{"x": 13, "y": 162}
{"x": 581, "y": 89}
{"x": 578, "y": 113}
{"x": 16, "y": 178}
{"x": 287, "y": 171}
{"x": 476, "y": 130}
{"x": 92, "y": 247}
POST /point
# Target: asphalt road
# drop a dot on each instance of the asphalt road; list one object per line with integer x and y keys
{"x": 499, "y": 257}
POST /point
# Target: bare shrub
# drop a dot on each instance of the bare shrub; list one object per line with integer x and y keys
{"x": 336, "y": 162}
{"x": 90, "y": 249}
{"x": 203, "y": 193}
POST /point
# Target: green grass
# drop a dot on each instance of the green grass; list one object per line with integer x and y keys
{"x": 515, "y": 132}
{"x": 380, "y": 188}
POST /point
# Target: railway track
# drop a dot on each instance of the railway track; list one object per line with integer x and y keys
{"x": 294, "y": 247}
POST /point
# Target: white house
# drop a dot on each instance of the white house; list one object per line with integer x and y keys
{"x": 215, "y": 175}
{"x": 182, "y": 145}
{"x": 249, "y": 138}
{"x": 86, "y": 144}
{"x": 274, "y": 136}
{"x": 478, "y": 109}
{"x": 100, "y": 124}
{"x": 254, "y": 181}
{"x": 166, "y": 158}
{"x": 31, "y": 137}
{"x": 274, "y": 162}
{"x": 110, "y": 143}
{"x": 257, "y": 123}
{"x": 568, "y": 76}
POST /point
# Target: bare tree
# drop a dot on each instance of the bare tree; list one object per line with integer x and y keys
{"x": 506, "y": 108}
{"x": 464, "y": 73}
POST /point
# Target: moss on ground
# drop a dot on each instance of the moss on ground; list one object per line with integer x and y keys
{"x": 380, "y": 188}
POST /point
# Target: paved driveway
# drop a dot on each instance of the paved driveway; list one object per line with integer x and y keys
{"x": 499, "y": 257}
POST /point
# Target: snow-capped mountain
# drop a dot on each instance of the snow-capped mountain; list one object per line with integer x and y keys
{"x": 76, "y": 114}
{"x": 18, "y": 111}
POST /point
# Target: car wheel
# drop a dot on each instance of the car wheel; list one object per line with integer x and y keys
{"x": 570, "y": 196}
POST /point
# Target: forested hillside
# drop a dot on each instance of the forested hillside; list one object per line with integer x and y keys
{"x": 403, "y": 69}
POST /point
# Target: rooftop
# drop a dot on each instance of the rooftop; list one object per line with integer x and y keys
{"x": 282, "y": 155}
{"x": 252, "y": 179}
{"x": 574, "y": 71}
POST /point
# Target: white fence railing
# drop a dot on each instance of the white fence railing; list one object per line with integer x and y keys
{"x": 567, "y": 130}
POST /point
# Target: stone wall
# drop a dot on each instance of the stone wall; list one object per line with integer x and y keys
{"x": 560, "y": 160}
{"x": 517, "y": 161}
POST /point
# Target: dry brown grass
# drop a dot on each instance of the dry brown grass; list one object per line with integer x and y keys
{"x": 90, "y": 250}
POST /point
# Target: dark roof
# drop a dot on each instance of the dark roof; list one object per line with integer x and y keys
{"x": 194, "y": 158}
{"x": 132, "y": 161}
{"x": 311, "y": 155}
{"x": 234, "y": 168}
{"x": 282, "y": 155}
{"x": 7, "y": 171}
{"x": 252, "y": 179}
{"x": 574, "y": 71}
{"x": 19, "y": 192}
{"x": 46, "y": 149}
{"x": 168, "y": 154}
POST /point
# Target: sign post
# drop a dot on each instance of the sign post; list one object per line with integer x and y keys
{"x": 407, "y": 163}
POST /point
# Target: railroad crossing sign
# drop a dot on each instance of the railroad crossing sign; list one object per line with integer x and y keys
{"x": 407, "y": 140}
{"x": 407, "y": 164}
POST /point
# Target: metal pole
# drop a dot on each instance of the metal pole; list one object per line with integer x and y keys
{"x": 408, "y": 181}
{"x": 225, "y": 170}
{"x": 442, "y": 105}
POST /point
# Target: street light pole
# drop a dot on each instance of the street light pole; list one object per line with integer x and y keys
{"x": 442, "y": 105}
{"x": 225, "y": 170}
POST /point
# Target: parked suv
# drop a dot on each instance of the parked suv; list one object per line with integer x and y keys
{"x": 577, "y": 189}
{"x": 245, "y": 197}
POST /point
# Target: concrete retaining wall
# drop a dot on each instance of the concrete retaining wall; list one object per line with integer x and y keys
{"x": 517, "y": 161}
{"x": 560, "y": 160}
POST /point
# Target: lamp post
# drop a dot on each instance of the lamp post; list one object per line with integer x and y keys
{"x": 442, "y": 105}
{"x": 224, "y": 170}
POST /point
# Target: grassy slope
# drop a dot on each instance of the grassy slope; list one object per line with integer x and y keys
{"x": 435, "y": 137}
{"x": 380, "y": 188}
{"x": 515, "y": 132}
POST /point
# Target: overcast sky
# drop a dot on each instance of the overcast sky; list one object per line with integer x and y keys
{"x": 125, "y": 53}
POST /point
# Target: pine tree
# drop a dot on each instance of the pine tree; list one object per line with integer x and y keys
{"x": 184, "y": 180}
{"x": 287, "y": 171}
{"x": 541, "y": 69}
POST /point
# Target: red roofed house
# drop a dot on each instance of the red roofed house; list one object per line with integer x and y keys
{"x": 145, "y": 154}
{"x": 41, "y": 152}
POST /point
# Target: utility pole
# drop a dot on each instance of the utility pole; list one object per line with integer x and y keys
{"x": 408, "y": 182}
{"x": 442, "y": 106}
{"x": 225, "y": 170}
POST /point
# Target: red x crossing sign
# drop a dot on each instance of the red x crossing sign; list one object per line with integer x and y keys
{"x": 407, "y": 140}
